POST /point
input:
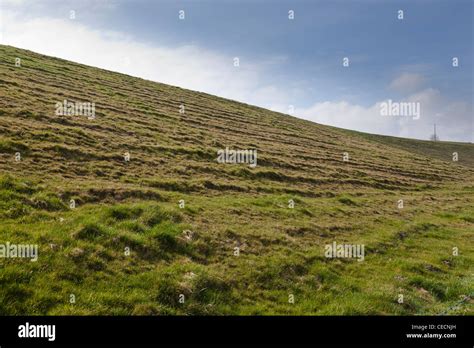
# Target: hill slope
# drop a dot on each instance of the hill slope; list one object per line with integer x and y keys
{"x": 236, "y": 247}
{"x": 442, "y": 150}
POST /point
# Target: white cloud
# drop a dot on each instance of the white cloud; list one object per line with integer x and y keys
{"x": 13, "y": 2}
{"x": 450, "y": 117}
{"x": 407, "y": 82}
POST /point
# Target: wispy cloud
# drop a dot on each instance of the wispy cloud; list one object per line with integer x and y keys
{"x": 407, "y": 82}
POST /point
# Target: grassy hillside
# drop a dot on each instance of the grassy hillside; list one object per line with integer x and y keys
{"x": 442, "y": 150}
{"x": 236, "y": 247}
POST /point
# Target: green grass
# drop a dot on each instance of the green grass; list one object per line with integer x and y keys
{"x": 237, "y": 246}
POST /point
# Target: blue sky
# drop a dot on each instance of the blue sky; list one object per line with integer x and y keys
{"x": 282, "y": 62}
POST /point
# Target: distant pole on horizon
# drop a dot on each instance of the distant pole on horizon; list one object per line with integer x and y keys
{"x": 435, "y": 137}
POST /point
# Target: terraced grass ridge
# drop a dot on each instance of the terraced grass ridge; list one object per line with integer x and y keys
{"x": 133, "y": 214}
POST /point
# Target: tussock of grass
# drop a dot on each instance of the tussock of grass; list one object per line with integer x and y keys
{"x": 124, "y": 212}
{"x": 90, "y": 231}
{"x": 346, "y": 200}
